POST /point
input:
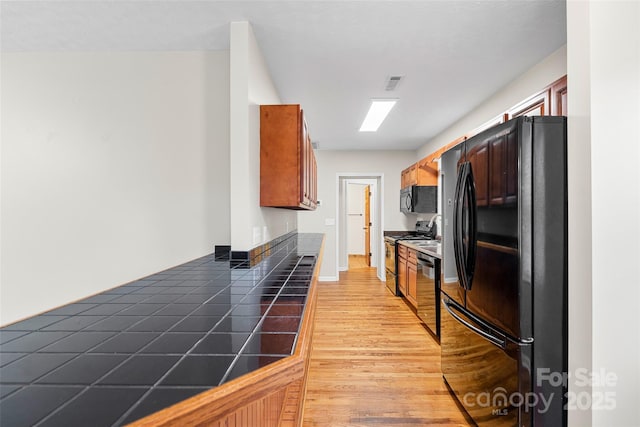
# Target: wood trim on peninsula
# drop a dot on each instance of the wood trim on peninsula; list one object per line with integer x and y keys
{"x": 270, "y": 396}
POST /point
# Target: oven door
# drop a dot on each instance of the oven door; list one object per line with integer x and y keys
{"x": 390, "y": 256}
{"x": 391, "y": 282}
{"x": 390, "y": 266}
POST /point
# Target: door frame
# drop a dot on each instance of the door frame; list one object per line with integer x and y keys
{"x": 376, "y": 180}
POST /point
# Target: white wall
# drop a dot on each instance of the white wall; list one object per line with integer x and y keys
{"x": 332, "y": 162}
{"x": 547, "y": 71}
{"x": 251, "y": 86}
{"x": 114, "y": 166}
{"x": 615, "y": 189}
{"x": 579, "y": 189}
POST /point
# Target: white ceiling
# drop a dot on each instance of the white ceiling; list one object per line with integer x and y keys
{"x": 329, "y": 56}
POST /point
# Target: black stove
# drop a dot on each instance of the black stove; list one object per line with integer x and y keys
{"x": 425, "y": 230}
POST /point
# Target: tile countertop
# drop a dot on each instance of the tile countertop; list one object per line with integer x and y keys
{"x": 118, "y": 356}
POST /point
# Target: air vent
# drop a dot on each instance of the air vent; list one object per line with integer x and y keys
{"x": 392, "y": 83}
{"x": 315, "y": 145}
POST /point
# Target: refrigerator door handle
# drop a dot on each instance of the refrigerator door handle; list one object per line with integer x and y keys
{"x": 497, "y": 341}
{"x": 457, "y": 226}
{"x": 470, "y": 259}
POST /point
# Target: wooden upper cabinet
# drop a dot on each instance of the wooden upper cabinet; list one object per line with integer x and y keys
{"x": 551, "y": 101}
{"x": 536, "y": 105}
{"x": 558, "y": 93}
{"x": 428, "y": 171}
{"x": 288, "y": 169}
{"x": 423, "y": 172}
{"x": 409, "y": 176}
{"x": 494, "y": 163}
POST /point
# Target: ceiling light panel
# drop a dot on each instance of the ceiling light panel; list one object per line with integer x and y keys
{"x": 378, "y": 111}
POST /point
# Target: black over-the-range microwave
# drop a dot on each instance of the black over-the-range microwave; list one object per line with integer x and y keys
{"x": 419, "y": 199}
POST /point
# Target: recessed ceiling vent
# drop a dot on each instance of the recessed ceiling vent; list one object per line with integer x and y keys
{"x": 392, "y": 83}
{"x": 315, "y": 145}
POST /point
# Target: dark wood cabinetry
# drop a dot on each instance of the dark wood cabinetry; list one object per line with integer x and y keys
{"x": 402, "y": 269}
{"x": 408, "y": 274}
{"x": 537, "y": 105}
{"x": 288, "y": 170}
{"x": 412, "y": 278}
{"x": 551, "y": 101}
{"x": 497, "y": 155}
{"x": 558, "y": 97}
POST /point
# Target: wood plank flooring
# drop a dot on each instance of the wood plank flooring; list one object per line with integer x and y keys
{"x": 357, "y": 262}
{"x": 373, "y": 362}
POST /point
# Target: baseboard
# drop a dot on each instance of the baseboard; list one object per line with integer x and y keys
{"x": 327, "y": 278}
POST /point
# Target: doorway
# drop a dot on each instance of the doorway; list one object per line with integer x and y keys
{"x": 358, "y": 225}
{"x": 359, "y": 239}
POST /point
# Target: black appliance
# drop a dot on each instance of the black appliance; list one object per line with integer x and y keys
{"x": 390, "y": 264}
{"x": 428, "y": 291}
{"x": 419, "y": 199}
{"x": 425, "y": 230}
{"x": 504, "y": 317}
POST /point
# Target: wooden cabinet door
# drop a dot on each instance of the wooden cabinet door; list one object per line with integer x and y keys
{"x": 306, "y": 158}
{"x": 413, "y": 175}
{"x": 304, "y": 161}
{"x": 427, "y": 171}
{"x": 412, "y": 279}
{"x": 559, "y": 97}
{"x": 287, "y": 163}
{"x": 402, "y": 275}
{"x": 402, "y": 268}
{"x": 537, "y": 105}
{"x": 409, "y": 176}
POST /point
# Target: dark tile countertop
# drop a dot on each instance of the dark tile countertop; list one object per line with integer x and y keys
{"x": 118, "y": 356}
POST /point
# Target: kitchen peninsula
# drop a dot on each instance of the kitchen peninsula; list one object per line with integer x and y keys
{"x": 221, "y": 343}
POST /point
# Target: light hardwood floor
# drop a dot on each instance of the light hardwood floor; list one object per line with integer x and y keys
{"x": 357, "y": 262}
{"x": 372, "y": 361}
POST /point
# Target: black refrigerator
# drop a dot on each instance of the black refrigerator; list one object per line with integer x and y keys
{"x": 504, "y": 290}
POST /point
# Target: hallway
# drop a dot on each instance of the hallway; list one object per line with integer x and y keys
{"x": 372, "y": 361}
